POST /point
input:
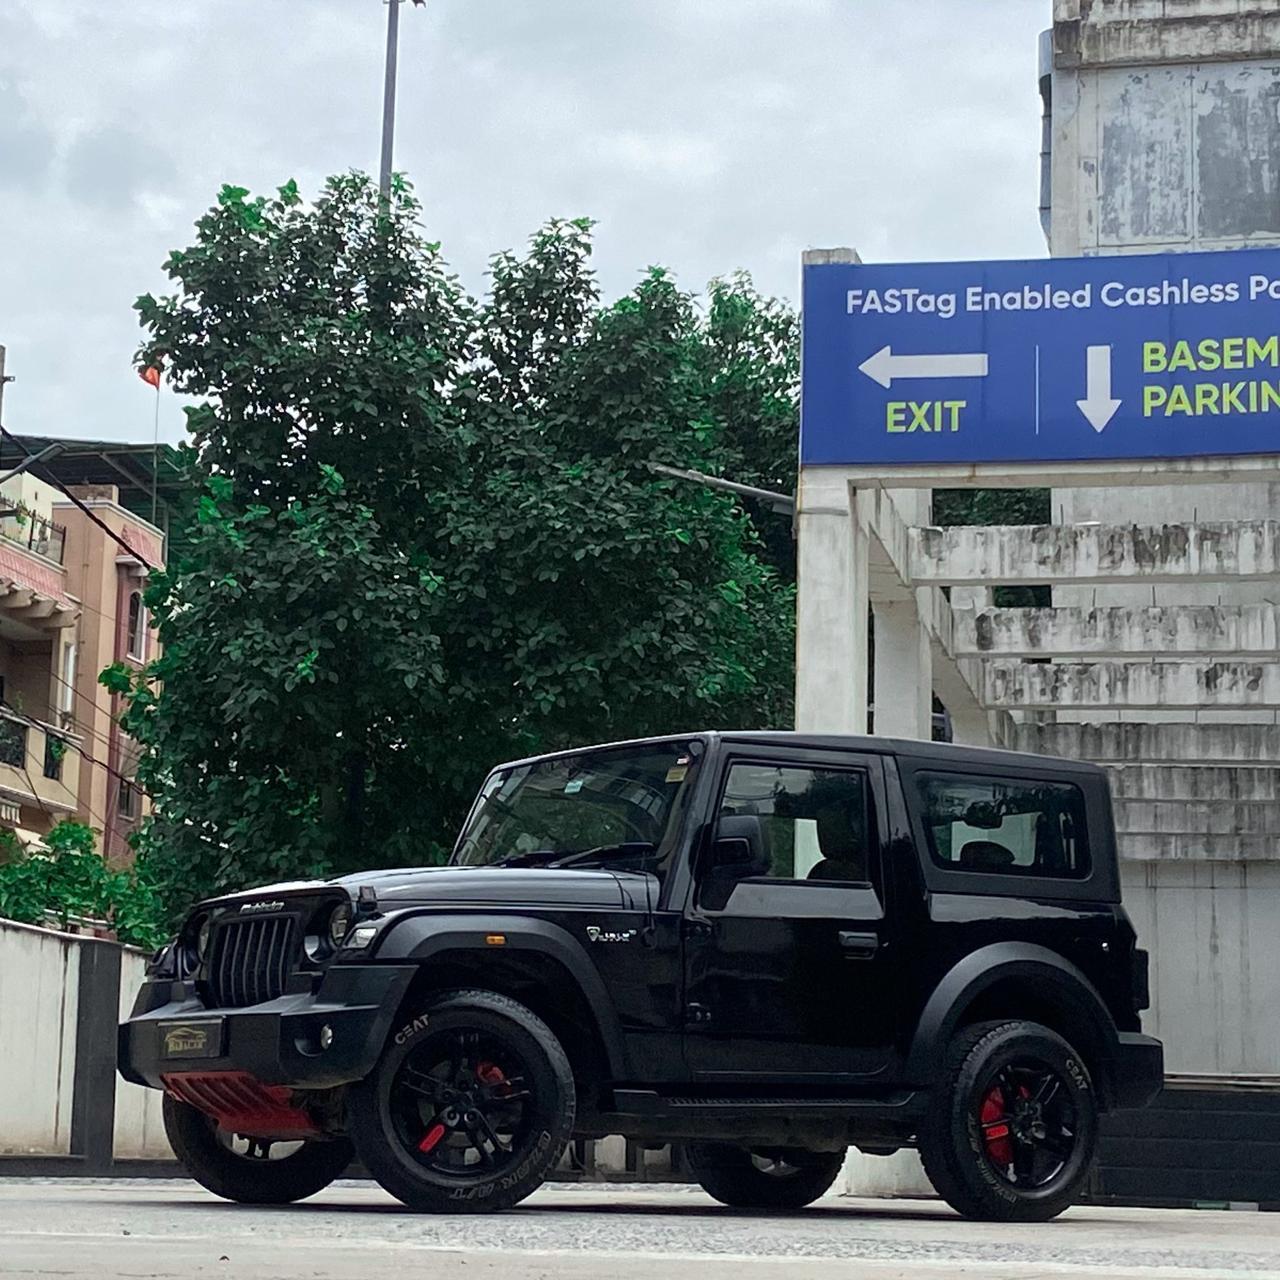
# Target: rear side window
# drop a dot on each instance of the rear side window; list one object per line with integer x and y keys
{"x": 1005, "y": 826}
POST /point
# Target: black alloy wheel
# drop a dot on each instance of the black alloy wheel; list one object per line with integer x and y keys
{"x": 1028, "y": 1124}
{"x": 1014, "y": 1126}
{"x": 462, "y": 1099}
{"x": 469, "y": 1108}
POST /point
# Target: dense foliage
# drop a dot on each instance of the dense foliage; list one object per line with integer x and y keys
{"x": 72, "y": 882}
{"x": 428, "y": 536}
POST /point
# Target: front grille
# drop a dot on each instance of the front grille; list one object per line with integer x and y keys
{"x": 249, "y": 960}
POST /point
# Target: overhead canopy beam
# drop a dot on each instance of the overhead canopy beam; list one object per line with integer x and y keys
{"x": 1155, "y": 686}
{"x": 1185, "y": 631}
{"x": 1077, "y": 555}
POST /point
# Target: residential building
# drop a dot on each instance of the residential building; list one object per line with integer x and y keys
{"x": 73, "y": 567}
{"x": 41, "y": 746}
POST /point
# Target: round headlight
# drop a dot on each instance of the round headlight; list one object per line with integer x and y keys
{"x": 202, "y": 938}
{"x": 339, "y": 923}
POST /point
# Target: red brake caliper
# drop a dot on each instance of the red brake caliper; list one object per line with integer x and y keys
{"x": 490, "y": 1073}
{"x": 995, "y": 1129}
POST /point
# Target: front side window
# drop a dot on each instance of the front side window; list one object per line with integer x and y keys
{"x": 1006, "y": 826}
{"x": 622, "y": 806}
{"x": 800, "y": 823}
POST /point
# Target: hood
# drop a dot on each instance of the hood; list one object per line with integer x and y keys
{"x": 518, "y": 886}
{"x": 426, "y": 886}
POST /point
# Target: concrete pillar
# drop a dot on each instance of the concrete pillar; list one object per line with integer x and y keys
{"x": 903, "y": 693}
{"x": 903, "y": 671}
{"x": 832, "y": 607}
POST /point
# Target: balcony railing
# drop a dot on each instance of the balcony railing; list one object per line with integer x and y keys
{"x": 28, "y": 528}
{"x": 13, "y": 742}
{"x": 37, "y": 760}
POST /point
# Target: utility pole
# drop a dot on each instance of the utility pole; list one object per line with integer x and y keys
{"x": 389, "y": 94}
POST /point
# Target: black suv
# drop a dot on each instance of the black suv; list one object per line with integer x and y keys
{"x": 765, "y": 946}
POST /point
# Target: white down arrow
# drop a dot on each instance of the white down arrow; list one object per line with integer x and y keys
{"x": 1097, "y": 405}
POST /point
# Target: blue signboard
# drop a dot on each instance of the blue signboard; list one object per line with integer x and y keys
{"x": 1163, "y": 356}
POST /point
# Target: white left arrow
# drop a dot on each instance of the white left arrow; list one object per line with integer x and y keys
{"x": 884, "y": 366}
{"x": 1097, "y": 405}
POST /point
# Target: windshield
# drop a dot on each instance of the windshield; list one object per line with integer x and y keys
{"x": 623, "y": 806}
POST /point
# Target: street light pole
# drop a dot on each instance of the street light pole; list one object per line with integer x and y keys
{"x": 389, "y": 97}
{"x": 389, "y": 93}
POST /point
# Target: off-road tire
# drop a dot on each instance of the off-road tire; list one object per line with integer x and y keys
{"x": 194, "y": 1139}
{"x": 954, "y": 1148}
{"x": 730, "y": 1174}
{"x": 372, "y": 1115}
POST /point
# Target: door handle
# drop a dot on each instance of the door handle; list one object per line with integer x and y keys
{"x": 859, "y": 944}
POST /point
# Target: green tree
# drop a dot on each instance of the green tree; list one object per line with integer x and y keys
{"x": 72, "y": 881}
{"x": 429, "y": 537}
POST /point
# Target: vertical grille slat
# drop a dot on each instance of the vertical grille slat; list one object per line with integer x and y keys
{"x": 250, "y": 960}
{"x": 253, "y": 970}
{"x": 284, "y": 954}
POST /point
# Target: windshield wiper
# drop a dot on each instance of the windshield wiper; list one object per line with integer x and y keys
{"x": 534, "y": 858}
{"x": 608, "y": 853}
{"x": 582, "y": 857}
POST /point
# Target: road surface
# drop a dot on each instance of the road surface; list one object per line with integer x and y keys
{"x": 142, "y": 1229}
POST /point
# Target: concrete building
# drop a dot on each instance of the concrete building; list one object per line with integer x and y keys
{"x": 70, "y": 605}
{"x": 108, "y": 582}
{"x": 1158, "y": 657}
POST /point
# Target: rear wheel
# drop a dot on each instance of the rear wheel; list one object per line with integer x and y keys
{"x": 251, "y": 1170}
{"x": 763, "y": 1178}
{"x": 1012, "y": 1135}
{"x": 469, "y": 1107}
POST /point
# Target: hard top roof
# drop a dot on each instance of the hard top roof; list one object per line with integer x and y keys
{"x": 941, "y": 753}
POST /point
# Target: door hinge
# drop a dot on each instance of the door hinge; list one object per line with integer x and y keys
{"x": 697, "y": 1013}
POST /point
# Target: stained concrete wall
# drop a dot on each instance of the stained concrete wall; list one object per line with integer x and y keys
{"x": 39, "y": 1007}
{"x": 1211, "y": 930}
{"x": 139, "y": 1127}
{"x": 39, "y": 979}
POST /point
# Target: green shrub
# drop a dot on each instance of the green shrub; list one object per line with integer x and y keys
{"x": 73, "y": 880}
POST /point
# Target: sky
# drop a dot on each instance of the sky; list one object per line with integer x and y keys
{"x": 703, "y": 135}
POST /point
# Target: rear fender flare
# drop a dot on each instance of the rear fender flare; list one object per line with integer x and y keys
{"x": 416, "y": 938}
{"x": 1056, "y": 981}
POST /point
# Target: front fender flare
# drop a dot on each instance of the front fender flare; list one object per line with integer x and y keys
{"x": 1055, "y": 979}
{"x": 416, "y": 938}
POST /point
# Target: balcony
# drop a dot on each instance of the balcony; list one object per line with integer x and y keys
{"x": 18, "y": 523}
{"x": 39, "y": 765}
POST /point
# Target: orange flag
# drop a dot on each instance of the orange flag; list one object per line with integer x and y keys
{"x": 150, "y": 375}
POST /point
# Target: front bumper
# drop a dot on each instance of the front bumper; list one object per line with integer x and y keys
{"x": 278, "y": 1042}
{"x": 1137, "y": 1070}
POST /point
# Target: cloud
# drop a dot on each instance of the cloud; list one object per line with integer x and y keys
{"x": 706, "y": 135}
{"x": 26, "y": 149}
{"x": 111, "y": 168}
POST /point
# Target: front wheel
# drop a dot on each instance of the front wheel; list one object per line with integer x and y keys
{"x": 772, "y": 1178}
{"x": 469, "y": 1107}
{"x": 1012, "y": 1133}
{"x": 251, "y": 1170}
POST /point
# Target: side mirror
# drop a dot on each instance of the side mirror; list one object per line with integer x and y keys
{"x": 730, "y": 859}
{"x": 731, "y": 853}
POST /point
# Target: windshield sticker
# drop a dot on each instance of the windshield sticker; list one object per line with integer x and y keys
{"x": 677, "y": 772}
